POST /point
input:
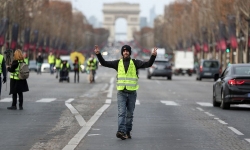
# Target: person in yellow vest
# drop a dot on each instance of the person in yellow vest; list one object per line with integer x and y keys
{"x": 58, "y": 65}
{"x": 17, "y": 86}
{"x": 51, "y": 61}
{"x": 127, "y": 84}
{"x": 92, "y": 65}
{"x": 64, "y": 70}
{"x": 2, "y": 71}
{"x": 26, "y": 59}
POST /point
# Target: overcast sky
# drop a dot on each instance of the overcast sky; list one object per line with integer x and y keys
{"x": 94, "y": 8}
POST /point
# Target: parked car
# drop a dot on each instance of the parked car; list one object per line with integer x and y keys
{"x": 45, "y": 66}
{"x": 208, "y": 69}
{"x": 32, "y": 65}
{"x": 233, "y": 86}
{"x": 161, "y": 67}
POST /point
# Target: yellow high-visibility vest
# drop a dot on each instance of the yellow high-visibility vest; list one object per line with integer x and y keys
{"x": 1, "y": 61}
{"x": 129, "y": 79}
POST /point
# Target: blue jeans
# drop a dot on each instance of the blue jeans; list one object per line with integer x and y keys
{"x": 51, "y": 68}
{"x": 126, "y": 107}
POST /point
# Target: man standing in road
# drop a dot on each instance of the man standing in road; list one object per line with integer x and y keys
{"x": 127, "y": 84}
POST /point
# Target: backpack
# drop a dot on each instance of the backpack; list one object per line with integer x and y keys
{"x": 23, "y": 70}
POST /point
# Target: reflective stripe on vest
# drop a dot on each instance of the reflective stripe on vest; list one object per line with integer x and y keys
{"x": 51, "y": 59}
{"x": 1, "y": 61}
{"x": 129, "y": 79}
{"x": 14, "y": 75}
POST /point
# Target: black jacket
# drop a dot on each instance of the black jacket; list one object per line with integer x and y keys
{"x": 39, "y": 59}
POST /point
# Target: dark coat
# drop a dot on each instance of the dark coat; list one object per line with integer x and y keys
{"x": 17, "y": 86}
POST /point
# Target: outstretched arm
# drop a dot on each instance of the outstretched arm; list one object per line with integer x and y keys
{"x": 142, "y": 64}
{"x": 110, "y": 64}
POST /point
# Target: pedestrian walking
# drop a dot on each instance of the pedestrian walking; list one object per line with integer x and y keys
{"x": 58, "y": 65}
{"x": 51, "y": 60}
{"x": 39, "y": 62}
{"x": 127, "y": 84}
{"x": 92, "y": 66}
{"x": 17, "y": 86}
{"x": 76, "y": 65}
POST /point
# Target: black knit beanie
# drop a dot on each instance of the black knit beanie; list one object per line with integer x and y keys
{"x": 126, "y": 47}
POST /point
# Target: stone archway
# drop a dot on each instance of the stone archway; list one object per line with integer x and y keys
{"x": 113, "y": 11}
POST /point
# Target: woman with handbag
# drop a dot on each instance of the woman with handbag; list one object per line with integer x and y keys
{"x": 17, "y": 86}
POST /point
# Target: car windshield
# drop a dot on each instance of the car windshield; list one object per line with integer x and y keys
{"x": 210, "y": 64}
{"x": 241, "y": 70}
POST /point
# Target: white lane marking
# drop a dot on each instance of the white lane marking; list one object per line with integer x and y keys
{"x": 200, "y": 109}
{"x": 108, "y": 101}
{"x": 109, "y": 95}
{"x": 93, "y": 134}
{"x": 209, "y": 114}
{"x": 243, "y": 105}
{"x": 6, "y": 100}
{"x": 137, "y": 102}
{"x": 235, "y": 131}
{"x": 84, "y": 130}
{"x": 46, "y": 100}
{"x": 69, "y": 100}
{"x": 204, "y": 104}
{"x": 95, "y": 129}
{"x": 248, "y": 140}
{"x": 221, "y": 121}
{"x": 78, "y": 117}
{"x": 171, "y": 103}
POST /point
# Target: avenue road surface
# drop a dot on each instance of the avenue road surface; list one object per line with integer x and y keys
{"x": 172, "y": 114}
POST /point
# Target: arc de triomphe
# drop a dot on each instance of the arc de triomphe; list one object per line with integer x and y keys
{"x": 113, "y": 11}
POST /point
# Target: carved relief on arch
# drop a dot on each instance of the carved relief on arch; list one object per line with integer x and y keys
{"x": 108, "y": 19}
{"x": 133, "y": 19}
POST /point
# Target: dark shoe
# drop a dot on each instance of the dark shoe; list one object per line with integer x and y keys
{"x": 12, "y": 108}
{"x": 128, "y": 135}
{"x": 121, "y": 135}
{"x": 20, "y": 107}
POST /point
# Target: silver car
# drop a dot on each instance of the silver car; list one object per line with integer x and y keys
{"x": 161, "y": 67}
{"x": 208, "y": 69}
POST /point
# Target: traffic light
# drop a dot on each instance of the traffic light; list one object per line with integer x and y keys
{"x": 228, "y": 50}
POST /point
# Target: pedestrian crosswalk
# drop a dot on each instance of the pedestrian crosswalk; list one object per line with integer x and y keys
{"x": 43, "y": 100}
{"x": 138, "y": 102}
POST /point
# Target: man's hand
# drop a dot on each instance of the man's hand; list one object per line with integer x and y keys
{"x": 97, "y": 51}
{"x": 4, "y": 80}
{"x": 154, "y": 51}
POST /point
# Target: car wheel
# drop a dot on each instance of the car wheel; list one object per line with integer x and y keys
{"x": 215, "y": 104}
{"x": 224, "y": 105}
{"x": 169, "y": 78}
